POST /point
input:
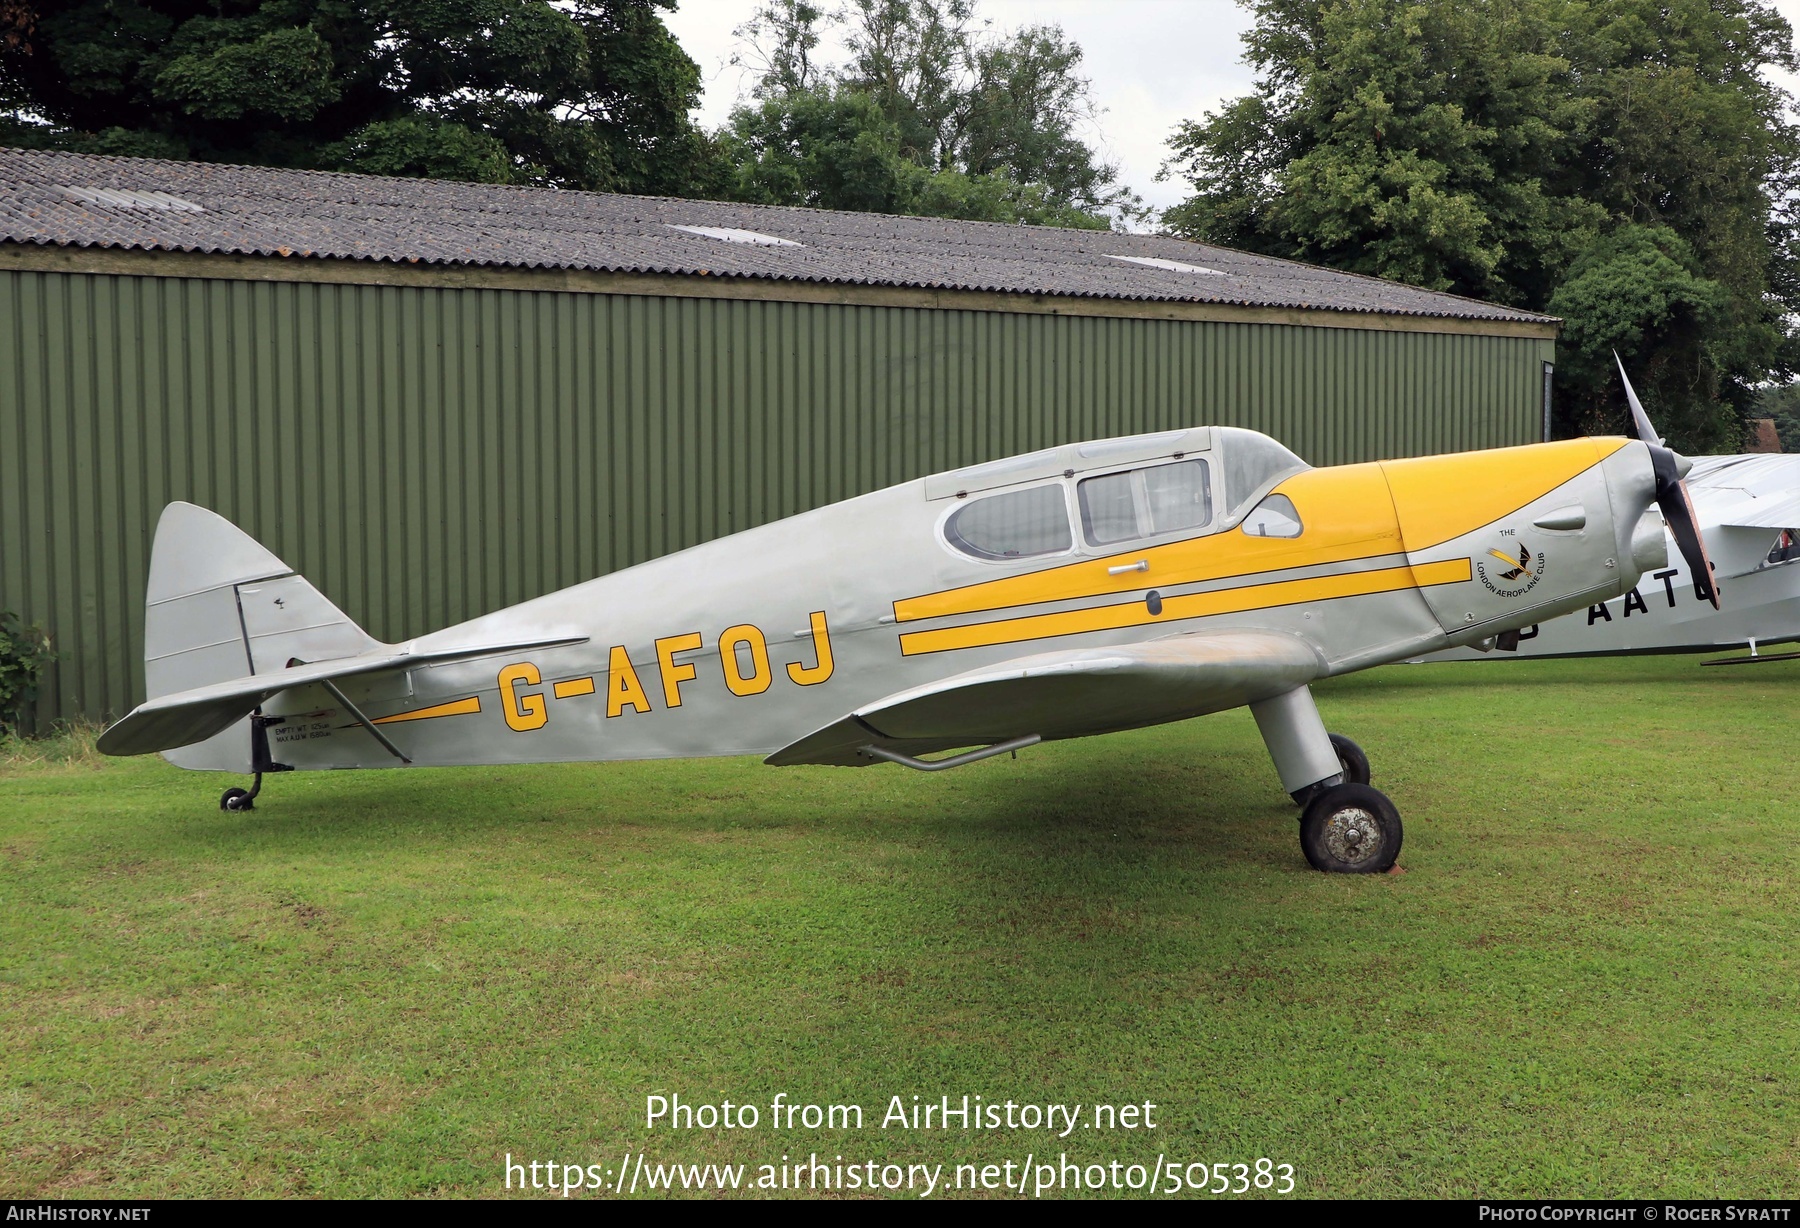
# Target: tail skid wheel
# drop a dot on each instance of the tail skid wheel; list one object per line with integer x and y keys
{"x": 1351, "y": 829}
{"x": 242, "y": 799}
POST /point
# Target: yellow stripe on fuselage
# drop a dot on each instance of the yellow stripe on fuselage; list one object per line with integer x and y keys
{"x": 456, "y": 707}
{"x": 1190, "y": 605}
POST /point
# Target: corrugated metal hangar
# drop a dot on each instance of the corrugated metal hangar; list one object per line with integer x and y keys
{"x": 435, "y": 399}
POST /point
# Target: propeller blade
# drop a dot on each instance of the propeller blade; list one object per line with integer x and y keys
{"x": 1672, "y": 495}
{"x": 1639, "y": 418}
{"x": 1678, "y": 510}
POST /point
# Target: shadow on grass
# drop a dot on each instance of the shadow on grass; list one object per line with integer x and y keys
{"x": 1100, "y": 810}
{"x": 1646, "y": 670}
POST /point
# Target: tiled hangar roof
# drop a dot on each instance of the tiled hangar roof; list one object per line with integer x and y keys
{"x": 79, "y": 200}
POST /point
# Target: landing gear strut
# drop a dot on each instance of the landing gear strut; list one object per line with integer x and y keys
{"x": 1346, "y": 827}
{"x": 261, "y": 762}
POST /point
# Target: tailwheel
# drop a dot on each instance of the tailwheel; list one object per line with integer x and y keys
{"x": 1351, "y": 829}
{"x": 1351, "y": 759}
{"x": 242, "y": 799}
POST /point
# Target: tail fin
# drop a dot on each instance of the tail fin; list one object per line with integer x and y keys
{"x": 219, "y": 607}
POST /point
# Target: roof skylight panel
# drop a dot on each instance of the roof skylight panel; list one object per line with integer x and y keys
{"x": 129, "y": 198}
{"x": 1172, "y": 266}
{"x": 731, "y": 234}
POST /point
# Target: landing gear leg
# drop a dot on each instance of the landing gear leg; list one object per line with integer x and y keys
{"x": 1304, "y": 754}
{"x": 260, "y": 762}
{"x": 1346, "y": 827}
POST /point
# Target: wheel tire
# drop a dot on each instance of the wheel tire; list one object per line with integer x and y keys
{"x": 1351, "y": 829}
{"x": 236, "y": 799}
{"x": 1351, "y": 757}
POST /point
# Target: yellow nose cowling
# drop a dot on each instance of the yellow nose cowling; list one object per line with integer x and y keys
{"x": 1533, "y": 531}
{"x": 1440, "y": 498}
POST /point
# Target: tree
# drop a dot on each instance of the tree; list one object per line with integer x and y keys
{"x": 1623, "y": 165}
{"x": 913, "y": 58}
{"x": 929, "y": 114}
{"x": 825, "y": 148}
{"x": 1639, "y": 291}
{"x": 834, "y": 148}
{"x": 1782, "y": 403}
{"x": 782, "y": 36}
{"x": 588, "y": 93}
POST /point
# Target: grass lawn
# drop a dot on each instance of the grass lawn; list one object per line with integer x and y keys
{"x": 1586, "y": 981}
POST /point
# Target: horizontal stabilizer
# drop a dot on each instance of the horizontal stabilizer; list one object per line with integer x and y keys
{"x": 1068, "y": 694}
{"x": 194, "y": 715}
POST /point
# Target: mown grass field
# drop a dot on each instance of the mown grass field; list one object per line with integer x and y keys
{"x": 1586, "y": 982}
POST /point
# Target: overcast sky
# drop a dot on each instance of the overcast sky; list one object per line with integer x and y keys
{"x": 1153, "y": 63}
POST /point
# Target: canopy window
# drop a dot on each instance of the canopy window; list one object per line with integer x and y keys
{"x": 1149, "y": 502}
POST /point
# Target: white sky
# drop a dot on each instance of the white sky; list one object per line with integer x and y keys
{"x": 1153, "y": 63}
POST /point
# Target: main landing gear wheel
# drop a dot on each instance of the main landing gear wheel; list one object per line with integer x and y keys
{"x": 1351, "y": 759}
{"x": 1351, "y": 829}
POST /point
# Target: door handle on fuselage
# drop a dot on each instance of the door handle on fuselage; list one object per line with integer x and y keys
{"x": 1123, "y": 568}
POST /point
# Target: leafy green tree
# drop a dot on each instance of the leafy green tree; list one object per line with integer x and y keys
{"x": 1639, "y": 290}
{"x": 913, "y": 58}
{"x": 834, "y": 148}
{"x": 1416, "y": 141}
{"x": 1625, "y": 165}
{"x": 587, "y": 93}
{"x": 929, "y": 114}
{"x": 783, "y": 36}
{"x": 822, "y": 147}
{"x": 1782, "y": 403}
{"x": 1021, "y": 115}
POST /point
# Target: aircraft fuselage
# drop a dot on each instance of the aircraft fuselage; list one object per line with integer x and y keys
{"x": 745, "y": 644}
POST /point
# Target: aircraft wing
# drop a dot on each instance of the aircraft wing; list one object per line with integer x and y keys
{"x": 1754, "y": 490}
{"x": 1766, "y": 513}
{"x": 1068, "y": 694}
{"x": 186, "y": 717}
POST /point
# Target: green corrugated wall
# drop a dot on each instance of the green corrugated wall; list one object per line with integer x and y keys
{"x": 425, "y": 455}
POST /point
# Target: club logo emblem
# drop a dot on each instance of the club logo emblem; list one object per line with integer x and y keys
{"x": 1515, "y": 575}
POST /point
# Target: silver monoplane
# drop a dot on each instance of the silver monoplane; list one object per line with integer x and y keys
{"x": 1079, "y": 590}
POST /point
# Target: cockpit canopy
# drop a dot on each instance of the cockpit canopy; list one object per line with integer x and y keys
{"x": 1135, "y": 488}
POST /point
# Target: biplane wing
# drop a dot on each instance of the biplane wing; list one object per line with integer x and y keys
{"x": 1068, "y": 694}
{"x": 1744, "y": 502}
{"x": 1748, "y": 490}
